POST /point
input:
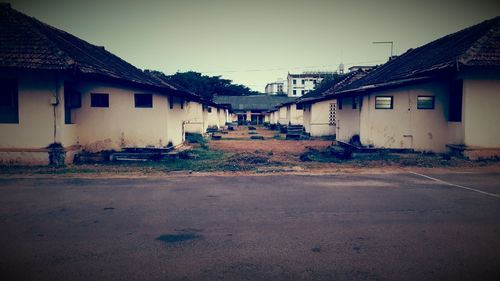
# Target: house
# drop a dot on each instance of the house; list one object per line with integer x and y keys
{"x": 254, "y": 109}
{"x": 442, "y": 96}
{"x": 319, "y": 109}
{"x": 300, "y": 84}
{"x": 215, "y": 115}
{"x": 60, "y": 95}
{"x": 200, "y": 113}
{"x": 290, "y": 113}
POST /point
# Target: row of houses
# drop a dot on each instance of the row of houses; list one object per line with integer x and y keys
{"x": 443, "y": 96}
{"x": 58, "y": 91}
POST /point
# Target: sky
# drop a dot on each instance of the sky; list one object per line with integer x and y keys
{"x": 256, "y": 42}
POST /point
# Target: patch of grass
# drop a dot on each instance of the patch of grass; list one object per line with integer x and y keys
{"x": 196, "y": 138}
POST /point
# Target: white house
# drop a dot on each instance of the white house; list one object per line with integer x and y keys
{"x": 319, "y": 109}
{"x": 441, "y": 96}
{"x": 61, "y": 95}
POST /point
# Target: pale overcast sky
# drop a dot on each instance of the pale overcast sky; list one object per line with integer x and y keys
{"x": 255, "y": 42}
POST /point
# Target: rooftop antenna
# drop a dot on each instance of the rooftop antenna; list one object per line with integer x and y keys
{"x": 386, "y": 42}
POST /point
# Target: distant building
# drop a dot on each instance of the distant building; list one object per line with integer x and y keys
{"x": 361, "y": 67}
{"x": 275, "y": 88}
{"x": 301, "y": 84}
{"x": 253, "y": 109}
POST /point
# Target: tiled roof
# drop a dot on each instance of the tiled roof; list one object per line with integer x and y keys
{"x": 255, "y": 102}
{"x": 27, "y": 43}
{"x": 335, "y": 87}
{"x": 476, "y": 46}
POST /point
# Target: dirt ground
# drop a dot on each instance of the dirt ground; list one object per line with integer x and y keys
{"x": 239, "y": 141}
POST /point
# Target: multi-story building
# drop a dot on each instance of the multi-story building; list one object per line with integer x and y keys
{"x": 300, "y": 84}
{"x": 275, "y": 88}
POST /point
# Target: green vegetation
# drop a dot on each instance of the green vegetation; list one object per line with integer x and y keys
{"x": 203, "y": 85}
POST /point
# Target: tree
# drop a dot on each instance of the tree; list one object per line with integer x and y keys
{"x": 203, "y": 85}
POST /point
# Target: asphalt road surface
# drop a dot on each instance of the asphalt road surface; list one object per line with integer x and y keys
{"x": 344, "y": 227}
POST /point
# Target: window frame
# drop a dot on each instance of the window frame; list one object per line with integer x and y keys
{"x": 384, "y": 108}
{"x": 456, "y": 101}
{"x": 96, "y": 95}
{"x": 426, "y": 108}
{"x": 138, "y": 96}
{"x": 11, "y": 85}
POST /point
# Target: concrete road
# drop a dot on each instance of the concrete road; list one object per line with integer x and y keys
{"x": 345, "y": 227}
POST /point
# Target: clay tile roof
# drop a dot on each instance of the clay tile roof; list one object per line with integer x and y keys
{"x": 478, "y": 45}
{"x": 254, "y": 102}
{"x": 27, "y": 43}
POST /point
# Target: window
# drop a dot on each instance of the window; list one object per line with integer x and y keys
{"x": 425, "y": 102}
{"x": 354, "y": 105}
{"x": 456, "y": 88}
{"x": 302, "y": 92}
{"x": 295, "y": 81}
{"x": 99, "y": 100}
{"x": 182, "y": 104}
{"x": 171, "y": 102}
{"x": 209, "y": 109}
{"x": 294, "y": 92}
{"x": 339, "y": 103}
{"x": 9, "y": 106}
{"x": 383, "y": 103}
{"x": 72, "y": 99}
{"x": 299, "y": 106}
{"x": 143, "y": 100}
{"x": 303, "y": 82}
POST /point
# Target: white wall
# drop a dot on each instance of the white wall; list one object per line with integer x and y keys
{"x": 347, "y": 119}
{"x": 36, "y": 114}
{"x": 212, "y": 117}
{"x": 193, "y": 118}
{"x": 282, "y": 115}
{"x": 405, "y": 126}
{"x": 295, "y": 115}
{"x": 319, "y": 122}
{"x": 121, "y": 124}
{"x": 481, "y": 99}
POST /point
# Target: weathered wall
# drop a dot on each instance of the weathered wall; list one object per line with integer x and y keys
{"x": 193, "y": 117}
{"x": 295, "y": 115}
{"x": 174, "y": 120}
{"x": 320, "y": 118}
{"x": 121, "y": 124}
{"x": 282, "y": 115}
{"x": 348, "y": 120}
{"x": 36, "y": 114}
{"x": 405, "y": 126}
{"x": 481, "y": 99}
{"x": 306, "y": 118}
{"x": 213, "y": 117}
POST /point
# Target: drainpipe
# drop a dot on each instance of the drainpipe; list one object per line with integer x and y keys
{"x": 56, "y": 152}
